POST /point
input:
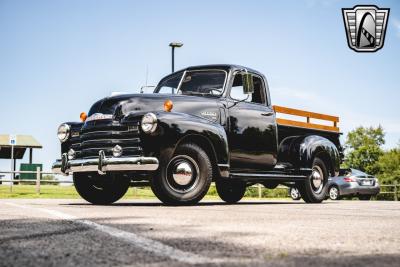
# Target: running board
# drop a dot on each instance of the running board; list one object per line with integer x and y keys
{"x": 268, "y": 177}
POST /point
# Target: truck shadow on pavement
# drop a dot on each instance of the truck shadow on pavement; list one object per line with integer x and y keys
{"x": 44, "y": 242}
{"x": 207, "y": 203}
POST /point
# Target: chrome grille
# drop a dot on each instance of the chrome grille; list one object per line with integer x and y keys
{"x": 104, "y": 135}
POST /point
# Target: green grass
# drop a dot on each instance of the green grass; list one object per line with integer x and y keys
{"x": 59, "y": 192}
{"x": 69, "y": 192}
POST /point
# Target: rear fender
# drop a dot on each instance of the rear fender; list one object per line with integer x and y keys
{"x": 300, "y": 152}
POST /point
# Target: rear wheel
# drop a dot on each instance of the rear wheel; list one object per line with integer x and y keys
{"x": 230, "y": 191}
{"x": 294, "y": 193}
{"x": 100, "y": 189}
{"x": 334, "y": 193}
{"x": 185, "y": 178}
{"x": 313, "y": 190}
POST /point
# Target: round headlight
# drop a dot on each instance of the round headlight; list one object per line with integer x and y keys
{"x": 149, "y": 123}
{"x": 63, "y": 132}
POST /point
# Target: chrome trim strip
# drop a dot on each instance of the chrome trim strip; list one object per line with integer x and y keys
{"x": 108, "y": 148}
{"x": 110, "y": 132}
{"x": 224, "y": 165}
{"x": 135, "y": 139}
{"x": 180, "y": 83}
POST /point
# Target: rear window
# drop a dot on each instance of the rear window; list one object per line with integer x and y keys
{"x": 353, "y": 172}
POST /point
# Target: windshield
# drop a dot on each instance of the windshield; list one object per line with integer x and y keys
{"x": 169, "y": 85}
{"x": 197, "y": 82}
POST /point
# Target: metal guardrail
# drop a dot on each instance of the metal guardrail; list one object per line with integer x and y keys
{"x": 259, "y": 187}
{"x": 394, "y": 192}
{"x": 37, "y": 181}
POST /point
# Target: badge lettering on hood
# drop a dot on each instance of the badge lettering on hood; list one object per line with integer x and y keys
{"x": 211, "y": 115}
{"x": 99, "y": 116}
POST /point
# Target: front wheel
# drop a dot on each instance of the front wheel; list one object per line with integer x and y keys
{"x": 185, "y": 178}
{"x": 230, "y": 191}
{"x": 101, "y": 189}
{"x": 313, "y": 189}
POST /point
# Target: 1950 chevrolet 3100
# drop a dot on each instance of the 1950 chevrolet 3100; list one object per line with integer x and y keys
{"x": 201, "y": 124}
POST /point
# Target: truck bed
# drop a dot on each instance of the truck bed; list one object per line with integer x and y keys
{"x": 304, "y": 124}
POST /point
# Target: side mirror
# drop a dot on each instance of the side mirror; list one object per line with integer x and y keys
{"x": 248, "y": 85}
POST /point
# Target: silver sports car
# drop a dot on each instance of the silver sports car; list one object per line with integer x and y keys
{"x": 352, "y": 182}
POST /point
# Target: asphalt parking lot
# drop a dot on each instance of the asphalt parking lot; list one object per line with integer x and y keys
{"x": 252, "y": 233}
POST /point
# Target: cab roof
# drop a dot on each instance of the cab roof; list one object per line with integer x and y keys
{"x": 227, "y": 67}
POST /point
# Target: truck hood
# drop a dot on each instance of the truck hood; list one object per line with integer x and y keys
{"x": 205, "y": 107}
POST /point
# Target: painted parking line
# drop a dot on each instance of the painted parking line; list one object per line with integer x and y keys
{"x": 141, "y": 242}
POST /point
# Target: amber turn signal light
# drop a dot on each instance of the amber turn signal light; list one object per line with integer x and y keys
{"x": 83, "y": 116}
{"x": 168, "y": 105}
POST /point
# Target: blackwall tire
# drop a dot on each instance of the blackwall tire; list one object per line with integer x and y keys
{"x": 313, "y": 190}
{"x": 185, "y": 178}
{"x": 100, "y": 189}
{"x": 230, "y": 191}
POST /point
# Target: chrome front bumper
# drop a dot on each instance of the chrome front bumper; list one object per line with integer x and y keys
{"x": 103, "y": 164}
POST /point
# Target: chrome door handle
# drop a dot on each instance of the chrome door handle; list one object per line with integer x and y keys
{"x": 267, "y": 114}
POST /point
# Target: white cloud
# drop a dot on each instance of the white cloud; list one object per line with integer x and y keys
{"x": 284, "y": 92}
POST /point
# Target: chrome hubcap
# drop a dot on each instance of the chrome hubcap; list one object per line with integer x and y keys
{"x": 182, "y": 173}
{"x": 317, "y": 179}
{"x": 294, "y": 193}
{"x": 333, "y": 193}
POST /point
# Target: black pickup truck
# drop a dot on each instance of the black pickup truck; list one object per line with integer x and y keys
{"x": 201, "y": 124}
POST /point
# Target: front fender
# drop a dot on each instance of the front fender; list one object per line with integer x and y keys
{"x": 175, "y": 126}
{"x": 300, "y": 151}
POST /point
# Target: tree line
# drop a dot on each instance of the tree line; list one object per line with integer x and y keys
{"x": 363, "y": 151}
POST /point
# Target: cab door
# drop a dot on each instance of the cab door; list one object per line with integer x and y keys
{"x": 252, "y": 127}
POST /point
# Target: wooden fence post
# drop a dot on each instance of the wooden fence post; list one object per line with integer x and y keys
{"x": 259, "y": 191}
{"x": 395, "y": 191}
{"x": 38, "y": 180}
{"x": 12, "y": 183}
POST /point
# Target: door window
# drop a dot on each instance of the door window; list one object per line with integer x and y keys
{"x": 256, "y": 97}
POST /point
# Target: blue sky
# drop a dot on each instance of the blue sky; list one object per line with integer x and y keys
{"x": 58, "y": 57}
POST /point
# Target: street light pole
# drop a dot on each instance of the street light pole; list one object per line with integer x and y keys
{"x": 173, "y": 59}
{"x": 173, "y": 45}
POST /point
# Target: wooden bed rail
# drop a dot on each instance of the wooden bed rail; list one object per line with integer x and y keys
{"x": 309, "y": 115}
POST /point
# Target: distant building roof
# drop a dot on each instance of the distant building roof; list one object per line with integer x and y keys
{"x": 22, "y": 143}
{"x": 26, "y": 141}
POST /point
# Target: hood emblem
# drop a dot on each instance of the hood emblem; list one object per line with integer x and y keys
{"x": 211, "y": 115}
{"x": 99, "y": 116}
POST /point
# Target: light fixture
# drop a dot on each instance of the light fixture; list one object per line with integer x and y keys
{"x": 168, "y": 105}
{"x": 149, "y": 123}
{"x": 63, "y": 132}
{"x": 83, "y": 116}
